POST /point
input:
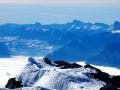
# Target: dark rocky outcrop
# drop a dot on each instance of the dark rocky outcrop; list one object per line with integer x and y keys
{"x": 91, "y": 67}
{"x": 60, "y": 63}
{"x": 47, "y": 61}
{"x": 65, "y": 65}
{"x": 33, "y": 61}
{"x": 105, "y": 77}
{"x": 109, "y": 87}
{"x": 74, "y": 65}
{"x": 116, "y": 81}
{"x": 12, "y": 84}
{"x": 112, "y": 82}
{"x": 101, "y": 76}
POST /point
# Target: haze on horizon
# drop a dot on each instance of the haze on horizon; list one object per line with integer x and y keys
{"x": 54, "y": 11}
{"x": 60, "y": 2}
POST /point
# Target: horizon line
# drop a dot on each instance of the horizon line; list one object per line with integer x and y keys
{"x": 60, "y": 23}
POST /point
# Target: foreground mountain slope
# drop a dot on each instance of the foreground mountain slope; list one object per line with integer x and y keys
{"x": 38, "y": 73}
{"x": 60, "y": 75}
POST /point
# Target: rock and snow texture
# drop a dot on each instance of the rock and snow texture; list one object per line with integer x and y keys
{"x": 10, "y": 67}
{"x": 38, "y": 74}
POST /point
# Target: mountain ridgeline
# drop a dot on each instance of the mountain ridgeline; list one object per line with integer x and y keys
{"x": 44, "y": 74}
{"x": 73, "y": 41}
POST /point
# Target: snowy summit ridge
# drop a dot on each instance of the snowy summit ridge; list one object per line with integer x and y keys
{"x": 60, "y": 75}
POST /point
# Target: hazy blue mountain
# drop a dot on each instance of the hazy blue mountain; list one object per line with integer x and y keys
{"x": 90, "y": 47}
{"x": 109, "y": 56}
{"x": 4, "y": 51}
{"x": 116, "y": 25}
{"x": 37, "y": 39}
{"x": 75, "y": 50}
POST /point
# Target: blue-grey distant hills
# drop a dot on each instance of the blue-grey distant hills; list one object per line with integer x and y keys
{"x": 4, "y": 50}
{"x": 109, "y": 56}
{"x": 37, "y": 39}
{"x": 71, "y": 41}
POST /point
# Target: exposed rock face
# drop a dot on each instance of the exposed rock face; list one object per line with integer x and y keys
{"x": 66, "y": 65}
{"x": 109, "y": 87}
{"x": 112, "y": 82}
{"x": 91, "y": 67}
{"x": 116, "y": 81}
{"x": 47, "y": 61}
{"x": 12, "y": 84}
{"x": 62, "y": 64}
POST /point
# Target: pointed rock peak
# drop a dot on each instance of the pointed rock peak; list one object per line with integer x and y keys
{"x": 116, "y": 22}
{"x": 37, "y": 24}
{"x": 32, "y": 60}
{"x": 77, "y": 22}
{"x": 116, "y": 25}
{"x": 47, "y": 61}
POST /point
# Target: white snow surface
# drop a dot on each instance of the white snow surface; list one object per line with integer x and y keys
{"x": 10, "y": 67}
{"x": 115, "y": 31}
{"x": 109, "y": 70}
{"x": 36, "y": 74}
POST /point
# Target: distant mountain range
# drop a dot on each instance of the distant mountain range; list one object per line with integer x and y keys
{"x": 71, "y": 41}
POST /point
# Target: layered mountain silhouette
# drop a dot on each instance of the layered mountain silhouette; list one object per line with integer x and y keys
{"x": 71, "y": 41}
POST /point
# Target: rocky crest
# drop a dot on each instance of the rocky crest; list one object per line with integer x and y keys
{"x": 60, "y": 75}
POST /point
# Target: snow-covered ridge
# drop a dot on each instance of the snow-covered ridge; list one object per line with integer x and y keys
{"x": 59, "y": 75}
{"x": 115, "y": 31}
{"x": 38, "y": 73}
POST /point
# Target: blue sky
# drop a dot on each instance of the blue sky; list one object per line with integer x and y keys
{"x": 59, "y": 11}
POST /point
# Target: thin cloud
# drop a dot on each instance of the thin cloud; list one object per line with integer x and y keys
{"x": 67, "y": 2}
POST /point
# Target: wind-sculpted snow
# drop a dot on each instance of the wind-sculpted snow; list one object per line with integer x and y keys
{"x": 37, "y": 74}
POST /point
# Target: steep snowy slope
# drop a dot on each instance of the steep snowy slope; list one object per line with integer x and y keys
{"x": 39, "y": 73}
{"x": 43, "y": 74}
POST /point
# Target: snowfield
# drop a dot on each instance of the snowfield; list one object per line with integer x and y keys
{"x": 37, "y": 74}
{"x": 10, "y": 67}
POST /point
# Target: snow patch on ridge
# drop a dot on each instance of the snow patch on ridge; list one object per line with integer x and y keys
{"x": 38, "y": 73}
